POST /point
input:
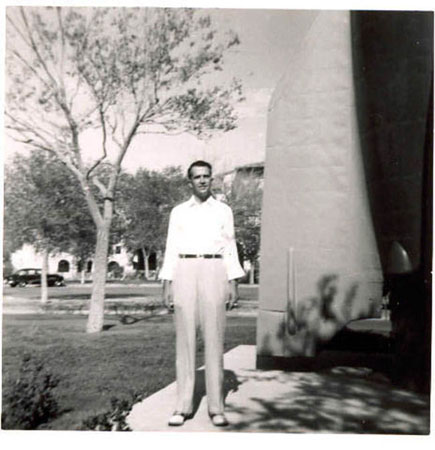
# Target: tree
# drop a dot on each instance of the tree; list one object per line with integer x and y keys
{"x": 92, "y": 79}
{"x": 146, "y": 202}
{"x": 245, "y": 196}
{"x": 44, "y": 208}
{"x": 81, "y": 232}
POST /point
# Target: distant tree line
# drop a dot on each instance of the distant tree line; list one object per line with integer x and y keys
{"x": 44, "y": 207}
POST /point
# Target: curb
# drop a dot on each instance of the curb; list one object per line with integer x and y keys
{"x": 113, "y": 307}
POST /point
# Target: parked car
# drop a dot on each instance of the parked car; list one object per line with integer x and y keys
{"x": 24, "y": 277}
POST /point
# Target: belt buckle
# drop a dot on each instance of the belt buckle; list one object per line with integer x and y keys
{"x": 200, "y": 255}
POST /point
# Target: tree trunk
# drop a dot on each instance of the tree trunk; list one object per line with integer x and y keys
{"x": 146, "y": 261}
{"x": 44, "y": 272}
{"x": 252, "y": 273}
{"x": 96, "y": 310}
{"x": 82, "y": 275}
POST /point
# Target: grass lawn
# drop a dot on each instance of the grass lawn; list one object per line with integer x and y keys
{"x": 121, "y": 361}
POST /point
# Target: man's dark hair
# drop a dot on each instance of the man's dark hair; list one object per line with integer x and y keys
{"x": 198, "y": 163}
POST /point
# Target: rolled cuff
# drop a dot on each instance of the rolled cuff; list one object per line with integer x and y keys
{"x": 235, "y": 272}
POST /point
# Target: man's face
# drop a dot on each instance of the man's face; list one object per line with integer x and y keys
{"x": 200, "y": 181}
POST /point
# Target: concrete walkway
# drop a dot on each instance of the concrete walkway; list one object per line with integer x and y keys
{"x": 338, "y": 400}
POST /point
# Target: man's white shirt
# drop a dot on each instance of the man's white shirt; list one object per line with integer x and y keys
{"x": 201, "y": 228}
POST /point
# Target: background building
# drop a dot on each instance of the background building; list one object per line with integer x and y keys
{"x": 120, "y": 263}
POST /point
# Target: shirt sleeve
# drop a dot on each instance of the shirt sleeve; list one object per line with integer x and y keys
{"x": 170, "y": 259}
{"x": 231, "y": 257}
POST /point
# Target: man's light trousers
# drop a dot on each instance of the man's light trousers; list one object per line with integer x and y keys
{"x": 200, "y": 289}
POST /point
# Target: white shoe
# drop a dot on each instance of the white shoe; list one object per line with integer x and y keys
{"x": 177, "y": 419}
{"x": 219, "y": 420}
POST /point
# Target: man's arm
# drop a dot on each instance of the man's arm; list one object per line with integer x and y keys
{"x": 231, "y": 260}
{"x": 231, "y": 257}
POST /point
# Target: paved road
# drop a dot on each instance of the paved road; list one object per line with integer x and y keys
{"x": 83, "y": 291}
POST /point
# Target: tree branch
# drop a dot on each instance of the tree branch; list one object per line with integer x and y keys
{"x": 35, "y": 47}
{"x": 31, "y": 68}
{"x": 100, "y": 186}
{"x": 166, "y": 133}
{"x": 75, "y": 93}
{"x": 61, "y": 102}
{"x": 25, "y": 128}
{"x": 113, "y": 129}
{"x": 93, "y": 207}
{"x": 99, "y": 160}
{"x": 62, "y": 49}
{"x": 20, "y": 33}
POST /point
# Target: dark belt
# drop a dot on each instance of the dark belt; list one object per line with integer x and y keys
{"x": 206, "y": 256}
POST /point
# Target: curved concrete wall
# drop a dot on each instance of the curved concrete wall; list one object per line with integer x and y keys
{"x": 320, "y": 267}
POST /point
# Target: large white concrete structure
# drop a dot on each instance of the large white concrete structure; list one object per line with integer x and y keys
{"x": 319, "y": 262}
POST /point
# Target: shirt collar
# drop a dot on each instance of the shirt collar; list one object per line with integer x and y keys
{"x": 194, "y": 202}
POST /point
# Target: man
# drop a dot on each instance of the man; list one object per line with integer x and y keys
{"x": 199, "y": 272}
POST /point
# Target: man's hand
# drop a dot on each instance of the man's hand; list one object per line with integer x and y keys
{"x": 168, "y": 301}
{"x": 233, "y": 295}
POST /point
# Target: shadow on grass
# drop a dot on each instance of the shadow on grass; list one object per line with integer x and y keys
{"x": 126, "y": 319}
{"x": 150, "y": 310}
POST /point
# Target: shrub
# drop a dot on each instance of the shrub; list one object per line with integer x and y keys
{"x": 114, "y": 419}
{"x": 31, "y": 401}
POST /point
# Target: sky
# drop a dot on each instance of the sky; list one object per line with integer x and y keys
{"x": 267, "y": 38}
